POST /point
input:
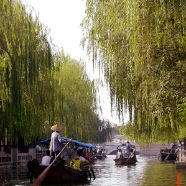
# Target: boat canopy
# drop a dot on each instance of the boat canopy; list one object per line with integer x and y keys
{"x": 77, "y": 143}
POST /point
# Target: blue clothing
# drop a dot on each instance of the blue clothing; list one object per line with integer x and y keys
{"x": 55, "y": 143}
{"x": 128, "y": 149}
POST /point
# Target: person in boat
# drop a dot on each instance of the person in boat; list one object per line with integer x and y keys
{"x": 81, "y": 154}
{"x": 38, "y": 149}
{"x": 91, "y": 155}
{"x": 173, "y": 146}
{"x": 133, "y": 154}
{"x": 119, "y": 153}
{"x": 55, "y": 143}
{"x": 86, "y": 155}
{"x": 78, "y": 161}
{"x": 75, "y": 161}
{"x": 85, "y": 163}
{"x": 46, "y": 160}
{"x": 128, "y": 149}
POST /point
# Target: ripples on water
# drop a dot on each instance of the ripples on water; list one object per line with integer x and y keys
{"x": 149, "y": 171}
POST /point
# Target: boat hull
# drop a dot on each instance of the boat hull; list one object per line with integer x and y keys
{"x": 125, "y": 161}
{"x": 168, "y": 154}
{"x": 60, "y": 174}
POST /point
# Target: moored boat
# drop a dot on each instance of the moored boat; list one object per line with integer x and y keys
{"x": 168, "y": 154}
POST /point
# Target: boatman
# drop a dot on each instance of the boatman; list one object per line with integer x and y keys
{"x": 55, "y": 143}
{"x": 128, "y": 149}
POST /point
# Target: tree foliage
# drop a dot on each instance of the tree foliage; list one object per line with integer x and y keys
{"x": 141, "y": 47}
{"x": 25, "y": 62}
{"x": 75, "y": 105}
{"x": 40, "y": 86}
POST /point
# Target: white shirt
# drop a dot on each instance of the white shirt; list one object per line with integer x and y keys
{"x": 38, "y": 148}
{"x": 45, "y": 160}
{"x": 118, "y": 154}
{"x": 55, "y": 143}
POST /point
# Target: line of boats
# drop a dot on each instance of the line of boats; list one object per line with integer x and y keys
{"x": 62, "y": 172}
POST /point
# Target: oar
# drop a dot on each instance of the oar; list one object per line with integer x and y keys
{"x": 128, "y": 159}
{"x": 168, "y": 155}
{"x": 42, "y": 176}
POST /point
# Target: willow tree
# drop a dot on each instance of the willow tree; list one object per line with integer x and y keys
{"x": 141, "y": 47}
{"x": 75, "y": 100}
{"x": 39, "y": 86}
{"x": 25, "y": 67}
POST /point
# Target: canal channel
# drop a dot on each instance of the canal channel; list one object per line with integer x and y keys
{"x": 149, "y": 171}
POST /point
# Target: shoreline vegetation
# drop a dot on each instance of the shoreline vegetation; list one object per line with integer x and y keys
{"x": 41, "y": 85}
{"x": 141, "y": 51}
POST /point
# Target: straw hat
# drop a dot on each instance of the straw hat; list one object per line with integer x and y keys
{"x": 56, "y": 127}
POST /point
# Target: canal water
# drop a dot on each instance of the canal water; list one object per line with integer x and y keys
{"x": 149, "y": 171}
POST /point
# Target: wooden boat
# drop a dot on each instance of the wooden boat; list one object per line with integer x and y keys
{"x": 100, "y": 153}
{"x": 58, "y": 174}
{"x": 122, "y": 157}
{"x": 168, "y": 154}
{"x": 125, "y": 161}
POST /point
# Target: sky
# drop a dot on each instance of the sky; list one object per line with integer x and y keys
{"x": 63, "y": 18}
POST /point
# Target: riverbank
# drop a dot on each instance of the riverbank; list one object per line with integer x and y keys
{"x": 14, "y": 173}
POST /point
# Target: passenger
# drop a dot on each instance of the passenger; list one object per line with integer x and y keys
{"x": 38, "y": 149}
{"x": 133, "y": 154}
{"x": 86, "y": 155}
{"x": 119, "y": 153}
{"x": 55, "y": 143}
{"x": 85, "y": 164}
{"x": 100, "y": 152}
{"x": 75, "y": 161}
{"x": 173, "y": 146}
{"x": 46, "y": 160}
{"x": 80, "y": 152}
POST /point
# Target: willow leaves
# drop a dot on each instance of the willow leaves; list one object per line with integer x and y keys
{"x": 39, "y": 86}
{"x": 141, "y": 45}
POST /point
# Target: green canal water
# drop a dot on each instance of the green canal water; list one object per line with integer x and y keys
{"x": 149, "y": 171}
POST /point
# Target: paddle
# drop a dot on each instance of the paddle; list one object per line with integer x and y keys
{"x": 42, "y": 176}
{"x": 131, "y": 156}
{"x": 127, "y": 159}
{"x": 168, "y": 155}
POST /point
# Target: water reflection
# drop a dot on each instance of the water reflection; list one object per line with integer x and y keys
{"x": 149, "y": 171}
